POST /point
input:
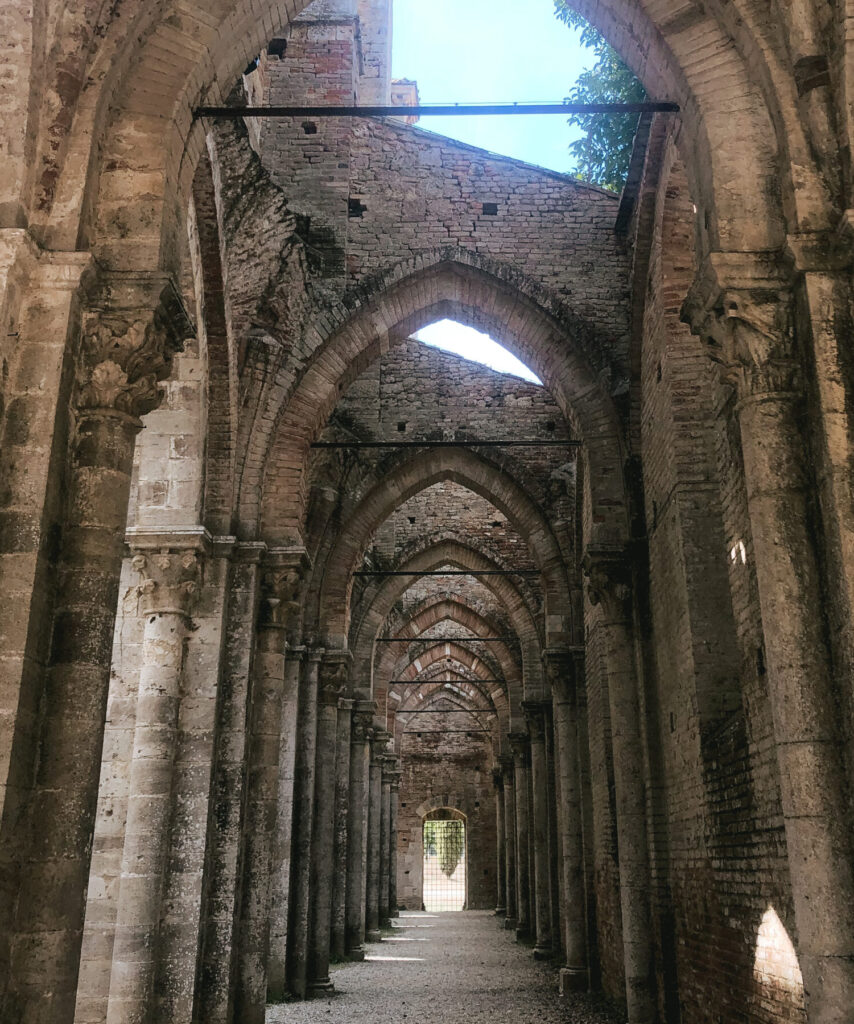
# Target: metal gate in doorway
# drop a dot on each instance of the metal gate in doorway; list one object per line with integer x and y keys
{"x": 444, "y": 868}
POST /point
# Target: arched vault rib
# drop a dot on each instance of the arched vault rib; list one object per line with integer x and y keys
{"x": 414, "y": 475}
{"x": 571, "y": 355}
{"x": 147, "y": 143}
{"x": 462, "y": 557}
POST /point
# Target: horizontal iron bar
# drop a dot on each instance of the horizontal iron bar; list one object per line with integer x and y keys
{"x": 442, "y": 110}
{"x": 429, "y": 682}
{"x": 453, "y": 711}
{"x": 447, "y": 639}
{"x": 447, "y": 572}
{"x": 441, "y": 732}
{"x": 446, "y": 444}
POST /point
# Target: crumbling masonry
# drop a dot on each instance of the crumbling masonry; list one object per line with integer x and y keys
{"x": 214, "y": 768}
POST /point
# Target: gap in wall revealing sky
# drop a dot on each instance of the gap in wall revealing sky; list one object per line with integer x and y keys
{"x": 492, "y": 51}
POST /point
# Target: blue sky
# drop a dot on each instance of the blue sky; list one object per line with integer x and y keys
{"x": 473, "y": 51}
{"x": 492, "y": 51}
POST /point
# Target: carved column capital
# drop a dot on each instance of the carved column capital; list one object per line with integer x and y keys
{"x": 741, "y": 305}
{"x": 379, "y": 744}
{"x": 497, "y": 777}
{"x": 519, "y": 743}
{"x": 334, "y": 682}
{"x": 363, "y": 720}
{"x": 132, "y": 330}
{"x": 536, "y": 712}
{"x": 395, "y": 776}
{"x": 170, "y": 580}
{"x": 560, "y": 671}
{"x": 609, "y": 580}
{"x": 505, "y": 765}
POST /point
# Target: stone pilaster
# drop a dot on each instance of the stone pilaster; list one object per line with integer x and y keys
{"x": 279, "y": 607}
{"x": 338, "y": 941}
{"x": 170, "y": 571}
{"x": 303, "y": 823}
{"x": 609, "y": 588}
{"x": 560, "y": 674}
{"x": 357, "y": 826}
{"x": 392, "y": 857}
{"x": 750, "y": 323}
{"x": 334, "y": 684}
{"x": 132, "y": 329}
{"x": 519, "y": 746}
{"x": 375, "y": 799}
{"x": 500, "y": 850}
{"x": 221, "y": 936}
{"x": 509, "y": 838}
{"x": 536, "y": 715}
{"x": 385, "y": 841}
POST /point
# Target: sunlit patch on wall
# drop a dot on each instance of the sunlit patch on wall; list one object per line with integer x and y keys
{"x": 776, "y": 964}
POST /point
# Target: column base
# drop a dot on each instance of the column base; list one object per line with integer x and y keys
{"x": 319, "y": 988}
{"x": 543, "y": 952}
{"x": 374, "y": 936}
{"x": 573, "y": 979}
{"x": 500, "y": 911}
{"x": 522, "y": 932}
{"x": 509, "y": 924}
{"x": 357, "y": 954}
{"x": 394, "y": 913}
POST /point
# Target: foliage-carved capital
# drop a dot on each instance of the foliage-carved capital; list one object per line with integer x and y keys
{"x": 130, "y": 337}
{"x": 334, "y": 681}
{"x": 170, "y": 580}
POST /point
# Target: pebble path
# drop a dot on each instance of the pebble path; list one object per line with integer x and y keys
{"x": 445, "y": 969}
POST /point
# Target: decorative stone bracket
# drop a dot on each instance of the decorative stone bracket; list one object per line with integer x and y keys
{"x": 132, "y": 330}
{"x": 519, "y": 742}
{"x": 741, "y": 304}
{"x": 609, "y": 581}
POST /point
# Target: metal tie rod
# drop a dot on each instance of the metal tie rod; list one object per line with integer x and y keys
{"x": 446, "y": 640}
{"x": 445, "y": 444}
{"x": 442, "y": 110}
{"x": 442, "y": 732}
{"x": 431, "y": 682}
{"x": 447, "y": 572}
{"x": 450, "y": 711}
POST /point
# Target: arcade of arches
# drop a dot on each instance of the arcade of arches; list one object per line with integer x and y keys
{"x": 244, "y": 656}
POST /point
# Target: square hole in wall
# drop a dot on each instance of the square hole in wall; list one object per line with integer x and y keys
{"x": 309, "y": 127}
{"x": 355, "y": 208}
{"x": 490, "y": 209}
{"x": 401, "y": 427}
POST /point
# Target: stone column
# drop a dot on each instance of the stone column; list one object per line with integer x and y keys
{"x": 280, "y": 587}
{"x": 170, "y": 576}
{"x": 500, "y": 857}
{"x": 535, "y": 712}
{"x": 130, "y": 335}
{"x": 385, "y": 841}
{"x": 338, "y": 940}
{"x": 506, "y": 763}
{"x": 609, "y": 588}
{"x": 334, "y": 683}
{"x": 303, "y": 821}
{"x": 392, "y": 857}
{"x": 375, "y": 799}
{"x": 519, "y": 746}
{"x": 757, "y": 338}
{"x": 560, "y": 672}
{"x": 280, "y": 895}
{"x": 357, "y": 827}
{"x": 554, "y": 839}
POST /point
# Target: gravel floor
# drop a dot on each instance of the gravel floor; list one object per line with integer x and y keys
{"x": 452, "y": 968}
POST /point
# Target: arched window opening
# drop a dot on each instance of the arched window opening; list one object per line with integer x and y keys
{"x": 444, "y": 853}
{"x": 475, "y": 346}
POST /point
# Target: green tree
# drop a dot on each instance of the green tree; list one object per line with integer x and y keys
{"x": 602, "y": 156}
